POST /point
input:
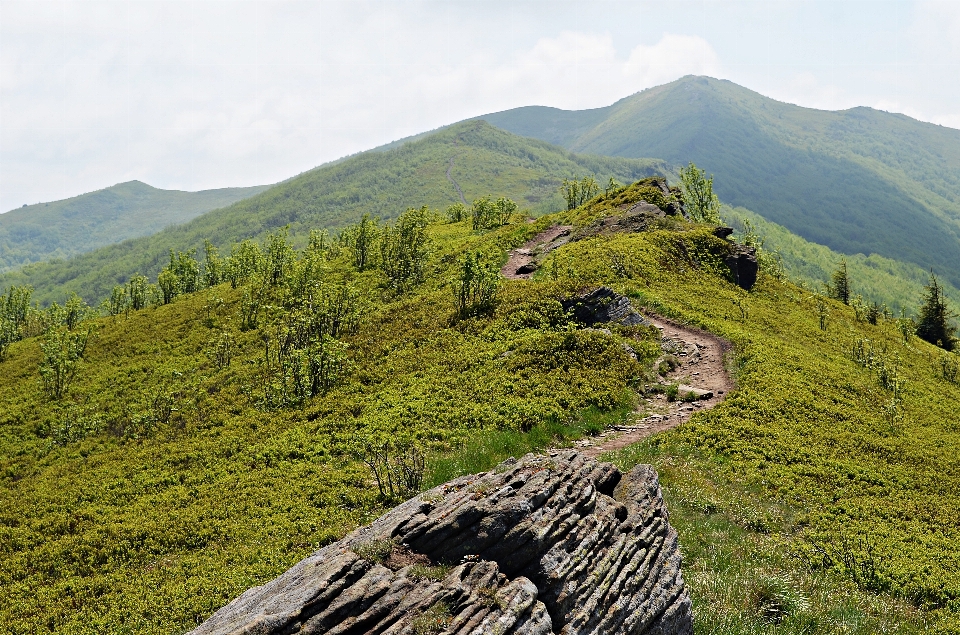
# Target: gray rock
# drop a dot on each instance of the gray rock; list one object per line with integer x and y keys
{"x": 603, "y": 305}
{"x": 684, "y": 389}
{"x": 743, "y": 265}
{"x": 544, "y": 544}
{"x": 722, "y": 232}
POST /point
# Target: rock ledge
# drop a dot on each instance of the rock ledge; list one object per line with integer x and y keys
{"x": 545, "y": 544}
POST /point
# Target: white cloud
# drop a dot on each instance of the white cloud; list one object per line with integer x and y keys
{"x": 205, "y": 93}
{"x": 210, "y": 94}
{"x": 672, "y": 57}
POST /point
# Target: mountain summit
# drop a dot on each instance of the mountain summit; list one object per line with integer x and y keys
{"x": 857, "y": 180}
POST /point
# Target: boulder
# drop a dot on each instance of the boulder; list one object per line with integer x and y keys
{"x": 554, "y": 543}
{"x": 743, "y": 265}
{"x": 722, "y": 232}
{"x": 603, "y": 305}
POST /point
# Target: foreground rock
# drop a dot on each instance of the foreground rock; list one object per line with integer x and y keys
{"x": 546, "y": 544}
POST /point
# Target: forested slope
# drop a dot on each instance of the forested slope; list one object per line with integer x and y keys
{"x": 857, "y": 181}
{"x": 76, "y": 225}
{"x": 481, "y": 159}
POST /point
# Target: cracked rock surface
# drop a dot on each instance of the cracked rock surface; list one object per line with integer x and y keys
{"x": 556, "y": 543}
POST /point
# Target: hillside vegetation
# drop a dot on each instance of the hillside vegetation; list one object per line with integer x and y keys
{"x": 480, "y": 159}
{"x": 896, "y": 284}
{"x": 857, "y": 181}
{"x": 61, "y": 229}
{"x": 202, "y": 446}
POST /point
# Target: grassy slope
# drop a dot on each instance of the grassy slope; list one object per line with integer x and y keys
{"x": 83, "y": 223}
{"x": 892, "y": 282}
{"x": 123, "y": 527}
{"x": 857, "y": 181}
{"x": 486, "y": 161}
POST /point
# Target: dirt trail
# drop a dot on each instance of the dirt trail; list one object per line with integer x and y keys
{"x": 455, "y": 184}
{"x": 522, "y": 261}
{"x": 701, "y": 357}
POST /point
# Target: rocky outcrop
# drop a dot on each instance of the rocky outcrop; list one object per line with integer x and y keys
{"x": 743, "y": 265}
{"x": 602, "y": 306}
{"x": 545, "y": 544}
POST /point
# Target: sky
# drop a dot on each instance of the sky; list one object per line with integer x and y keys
{"x": 196, "y": 95}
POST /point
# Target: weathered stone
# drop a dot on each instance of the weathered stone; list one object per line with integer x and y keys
{"x": 683, "y": 389}
{"x": 743, "y": 265}
{"x": 722, "y": 232}
{"x": 603, "y": 305}
{"x": 544, "y": 544}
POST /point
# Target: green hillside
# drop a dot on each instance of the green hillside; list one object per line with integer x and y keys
{"x": 857, "y": 181}
{"x": 896, "y": 284}
{"x": 481, "y": 159}
{"x": 205, "y": 445}
{"x": 83, "y": 223}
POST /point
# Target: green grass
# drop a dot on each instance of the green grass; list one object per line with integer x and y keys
{"x": 143, "y": 525}
{"x": 482, "y": 452}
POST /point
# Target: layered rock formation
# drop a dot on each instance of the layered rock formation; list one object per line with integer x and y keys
{"x": 545, "y": 544}
{"x": 603, "y": 306}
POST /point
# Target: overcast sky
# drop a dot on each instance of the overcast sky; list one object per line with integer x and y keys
{"x": 196, "y": 95}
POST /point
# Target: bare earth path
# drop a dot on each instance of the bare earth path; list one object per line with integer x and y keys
{"x": 519, "y": 264}
{"x": 702, "y": 366}
{"x": 701, "y": 356}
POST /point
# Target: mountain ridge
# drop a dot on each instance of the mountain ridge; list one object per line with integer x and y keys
{"x": 384, "y": 183}
{"x": 79, "y": 224}
{"x": 857, "y": 181}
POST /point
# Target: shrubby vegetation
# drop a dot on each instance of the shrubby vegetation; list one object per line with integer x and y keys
{"x": 702, "y": 204}
{"x": 334, "y": 196}
{"x": 207, "y": 443}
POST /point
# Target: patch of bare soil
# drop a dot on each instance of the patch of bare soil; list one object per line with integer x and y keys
{"x": 702, "y": 370}
{"x": 524, "y": 260}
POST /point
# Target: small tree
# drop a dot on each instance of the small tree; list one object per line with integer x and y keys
{"x": 823, "y": 311}
{"x": 483, "y": 213}
{"x": 169, "y": 285}
{"x": 403, "y": 249}
{"x": 186, "y": 269}
{"x": 578, "y": 191}
{"x": 137, "y": 290}
{"x": 9, "y": 333}
{"x": 456, "y": 212}
{"x": 475, "y": 289}
{"x": 505, "y": 208}
{"x": 702, "y": 204}
{"x": 213, "y": 266}
{"x": 933, "y": 323}
{"x": 62, "y": 352}
{"x": 840, "y": 283}
{"x": 118, "y": 300}
{"x": 362, "y": 237}
{"x": 74, "y": 311}
{"x": 245, "y": 261}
